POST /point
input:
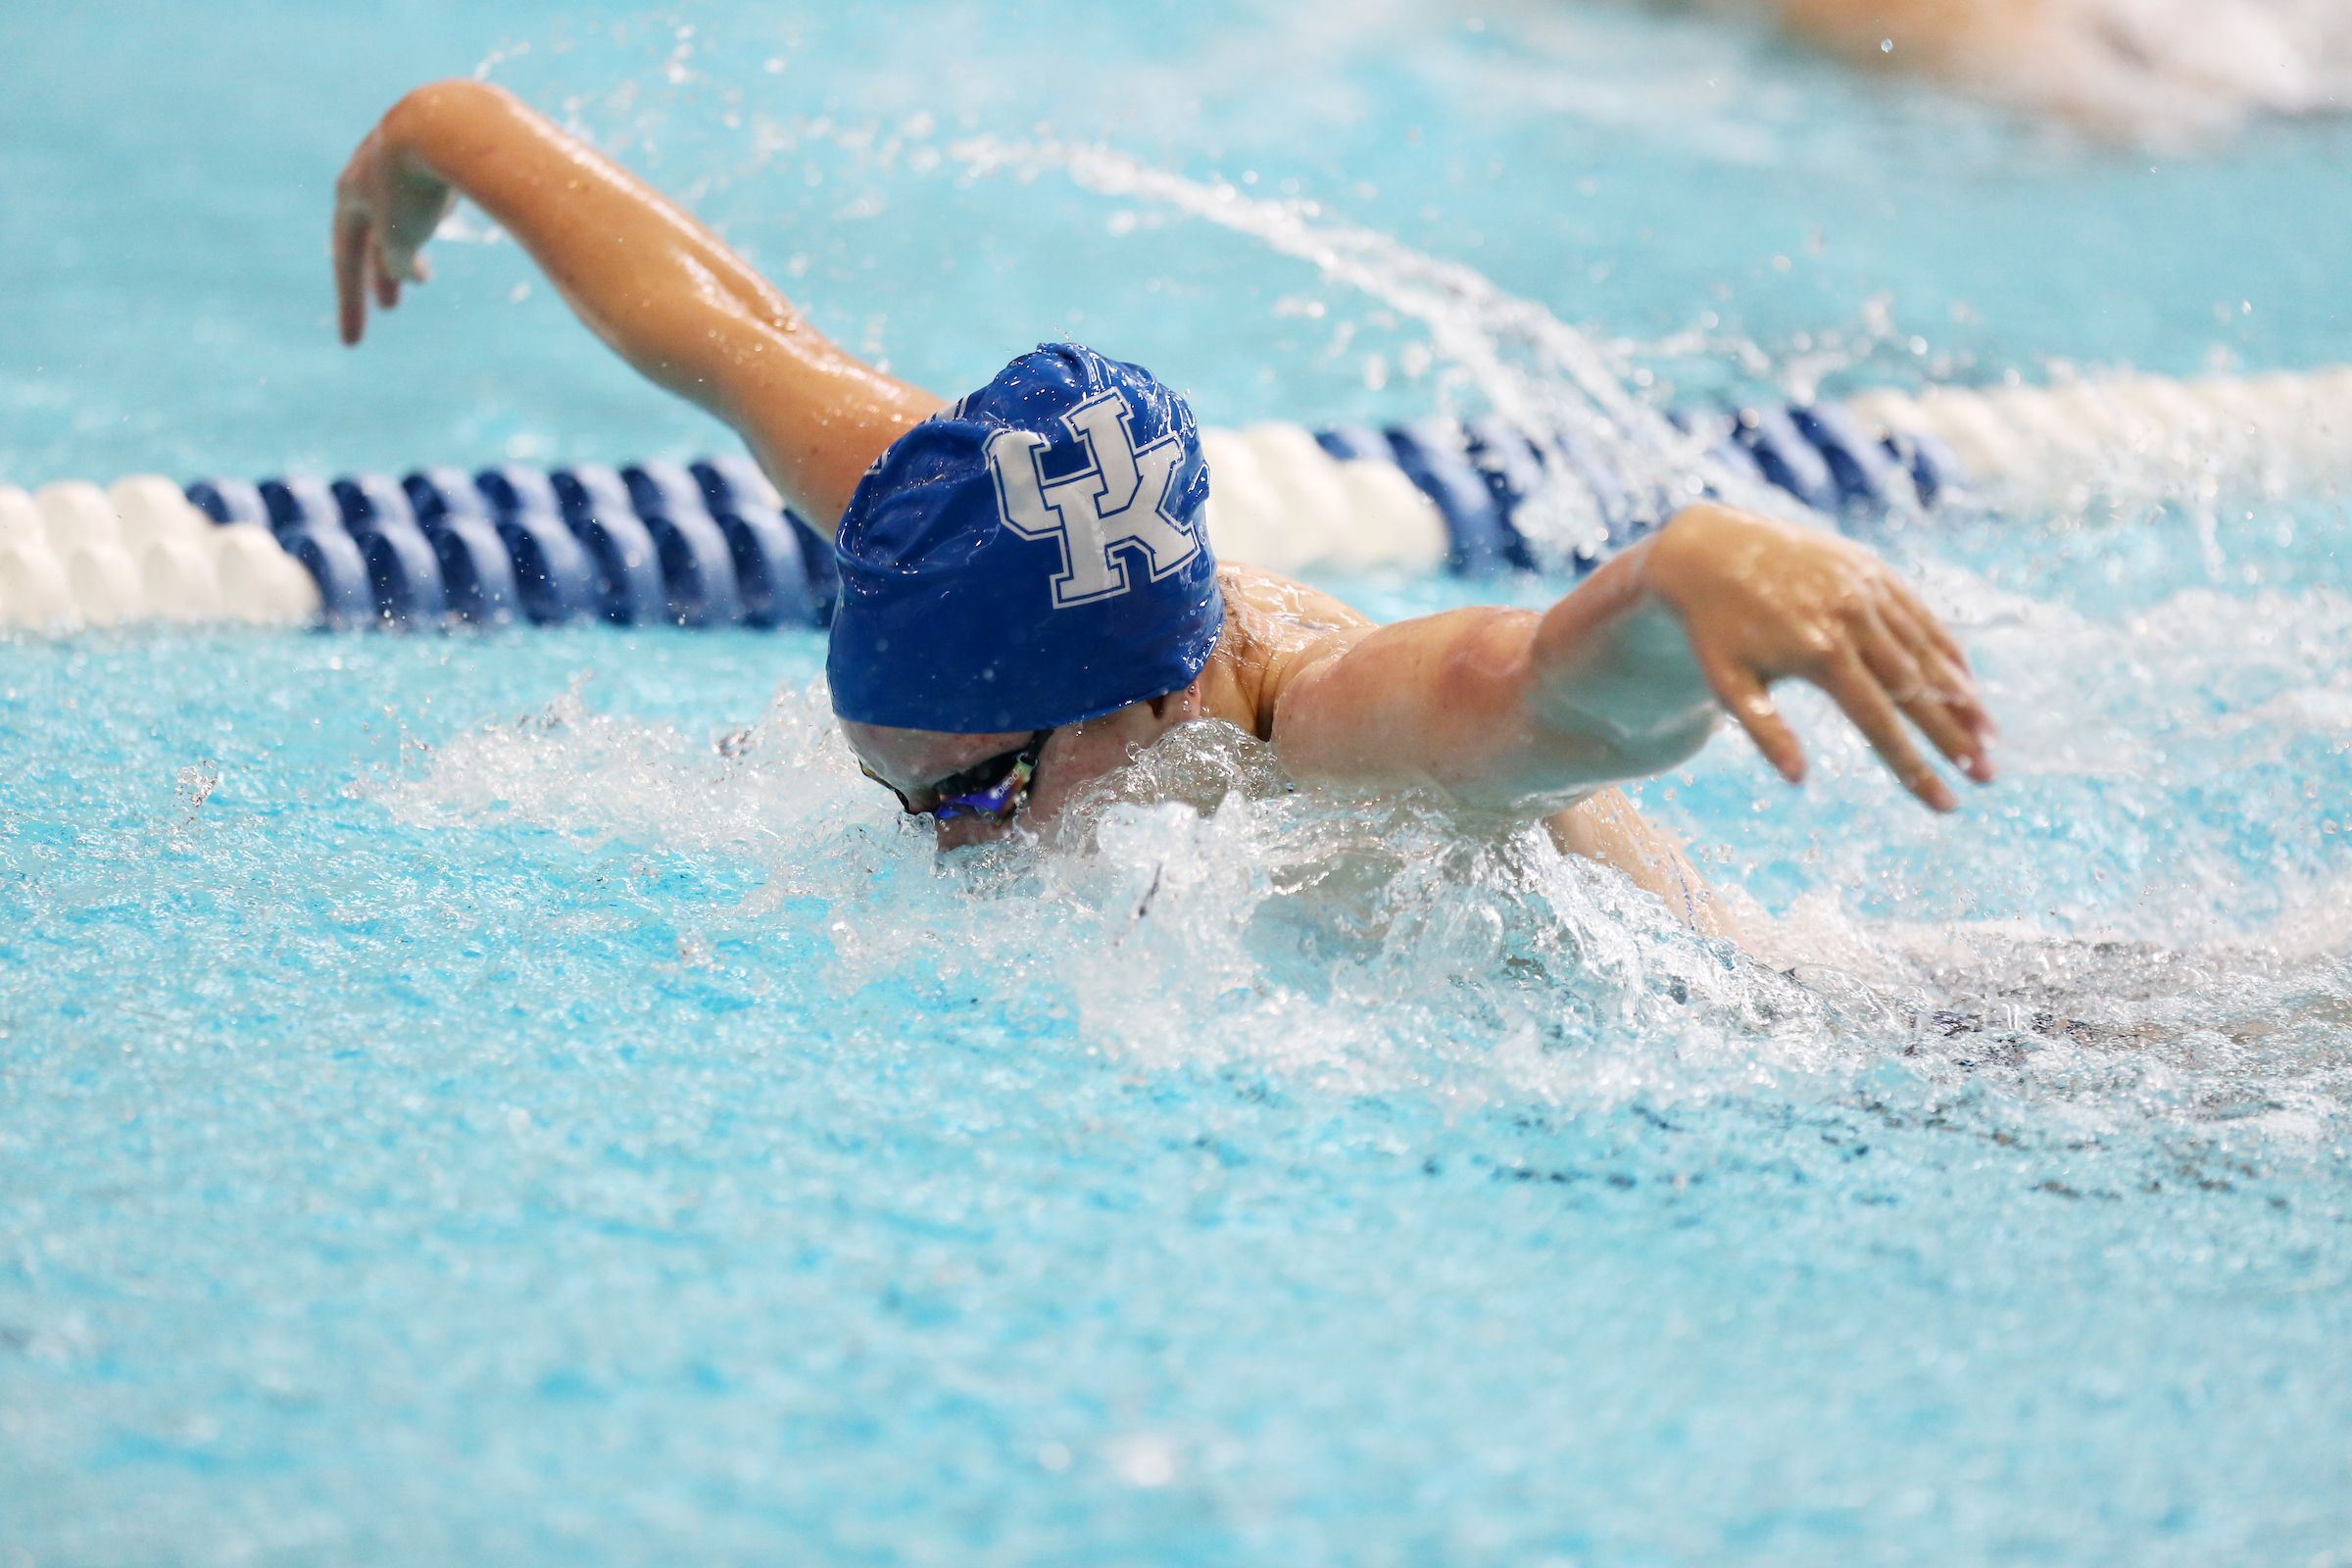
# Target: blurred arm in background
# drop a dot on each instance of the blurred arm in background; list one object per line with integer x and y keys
{"x": 2161, "y": 70}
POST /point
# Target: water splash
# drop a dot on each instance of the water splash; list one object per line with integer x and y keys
{"x": 1328, "y": 942}
{"x": 1371, "y": 946}
{"x": 1551, "y": 382}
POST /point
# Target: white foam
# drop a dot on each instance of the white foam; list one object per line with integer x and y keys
{"x": 1358, "y": 946}
{"x": 1216, "y": 922}
{"x": 571, "y": 769}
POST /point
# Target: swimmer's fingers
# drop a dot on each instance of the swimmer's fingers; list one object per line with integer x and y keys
{"x": 1940, "y": 651}
{"x": 359, "y": 229}
{"x": 1928, "y": 621}
{"x": 400, "y": 244}
{"x": 386, "y": 281}
{"x": 386, "y": 209}
{"x": 1931, "y": 694}
{"x": 1849, "y": 681}
{"x": 1947, "y": 665}
{"x": 1744, "y": 698}
{"x": 352, "y": 249}
{"x": 1947, "y": 704}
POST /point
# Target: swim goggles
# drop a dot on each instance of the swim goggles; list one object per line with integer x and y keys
{"x": 991, "y": 789}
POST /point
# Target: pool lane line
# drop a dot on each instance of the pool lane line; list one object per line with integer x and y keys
{"x": 711, "y": 544}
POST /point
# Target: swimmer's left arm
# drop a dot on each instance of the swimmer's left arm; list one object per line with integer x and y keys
{"x": 661, "y": 289}
{"x": 1514, "y": 712}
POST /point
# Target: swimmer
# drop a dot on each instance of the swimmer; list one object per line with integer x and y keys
{"x": 2131, "y": 69}
{"x": 1028, "y": 593}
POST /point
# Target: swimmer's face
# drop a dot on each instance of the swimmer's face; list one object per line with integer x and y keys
{"x": 913, "y": 761}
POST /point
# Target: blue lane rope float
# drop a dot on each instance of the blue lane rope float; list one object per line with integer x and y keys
{"x": 553, "y": 579}
{"x": 404, "y": 572}
{"x": 1786, "y": 457}
{"x": 696, "y": 562}
{"x": 477, "y": 575}
{"x": 1477, "y": 519}
{"x": 302, "y": 512}
{"x": 711, "y": 544}
{"x": 595, "y": 504}
{"x": 1864, "y": 468}
{"x": 786, "y": 566}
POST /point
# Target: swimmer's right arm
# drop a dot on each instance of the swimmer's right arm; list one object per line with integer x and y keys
{"x": 1521, "y": 714}
{"x": 661, "y": 290}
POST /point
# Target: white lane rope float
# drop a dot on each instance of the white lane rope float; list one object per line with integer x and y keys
{"x": 711, "y": 544}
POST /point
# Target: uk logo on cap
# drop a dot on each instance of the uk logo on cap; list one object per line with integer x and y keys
{"x": 1122, "y": 499}
{"x": 1031, "y": 556}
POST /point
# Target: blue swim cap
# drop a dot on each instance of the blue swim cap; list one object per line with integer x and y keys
{"x": 1033, "y": 555}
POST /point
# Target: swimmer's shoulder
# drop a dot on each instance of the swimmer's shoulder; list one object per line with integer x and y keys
{"x": 1275, "y": 630}
{"x": 1281, "y": 608}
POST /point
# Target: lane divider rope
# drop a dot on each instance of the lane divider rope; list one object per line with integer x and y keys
{"x": 711, "y": 542}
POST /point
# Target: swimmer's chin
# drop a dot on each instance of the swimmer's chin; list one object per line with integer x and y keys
{"x": 1069, "y": 830}
{"x": 1068, "y": 825}
{"x": 972, "y": 832}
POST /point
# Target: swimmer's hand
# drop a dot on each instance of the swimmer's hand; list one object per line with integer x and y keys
{"x": 1761, "y": 601}
{"x": 388, "y": 202}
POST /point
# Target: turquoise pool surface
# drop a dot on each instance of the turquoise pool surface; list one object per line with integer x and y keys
{"x": 524, "y": 1098}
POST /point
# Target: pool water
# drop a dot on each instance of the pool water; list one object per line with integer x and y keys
{"x": 524, "y": 1098}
